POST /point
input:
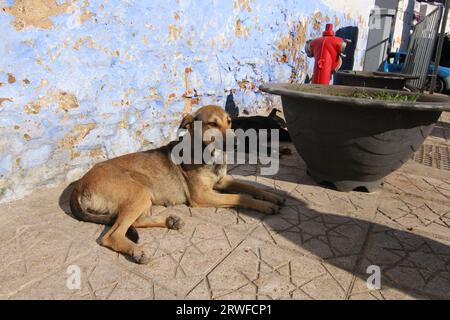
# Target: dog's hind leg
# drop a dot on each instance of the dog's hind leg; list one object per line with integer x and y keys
{"x": 128, "y": 213}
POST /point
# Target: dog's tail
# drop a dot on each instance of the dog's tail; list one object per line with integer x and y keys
{"x": 106, "y": 219}
{"x": 83, "y": 214}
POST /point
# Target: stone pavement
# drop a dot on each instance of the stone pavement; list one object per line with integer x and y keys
{"x": 319, "y": 247}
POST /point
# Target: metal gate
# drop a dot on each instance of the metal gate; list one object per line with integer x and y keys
{"x": 421, "y": 48}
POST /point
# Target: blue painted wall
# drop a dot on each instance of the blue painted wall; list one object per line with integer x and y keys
{"x": 82, "y": 81}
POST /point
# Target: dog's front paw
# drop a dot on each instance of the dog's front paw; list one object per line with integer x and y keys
{"x": 139, "y": 256}
{"x": 174, "y": 222}
{"x": 280, "y": 200}
{"x": 274, "y": 198}
{"x": 276, "y": 209}
{"x": 271, "y": 209}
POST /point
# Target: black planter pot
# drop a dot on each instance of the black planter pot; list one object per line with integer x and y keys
{"x": 355, "y": 142}
{"x": 387, "y": 80}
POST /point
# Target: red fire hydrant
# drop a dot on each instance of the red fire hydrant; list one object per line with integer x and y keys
{"x": 326, "y": 51}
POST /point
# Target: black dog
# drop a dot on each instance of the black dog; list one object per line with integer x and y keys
{"x": 272, "y": 121}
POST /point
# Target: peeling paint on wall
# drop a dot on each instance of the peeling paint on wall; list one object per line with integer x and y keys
{"x": 35, "y": 13}
{"x": 38, "y": 13}
{"x": 64, "y": 101}
{"x": 292, "y": 46}
{"x": 82, "y": 81}
{"x": 5, "y": 99}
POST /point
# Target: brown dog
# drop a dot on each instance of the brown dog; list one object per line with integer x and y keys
{"x": 122, "y": 190}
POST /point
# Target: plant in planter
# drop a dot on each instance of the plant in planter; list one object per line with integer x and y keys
{"x": 353, "y": 137}
{"x": 389, "y": 80}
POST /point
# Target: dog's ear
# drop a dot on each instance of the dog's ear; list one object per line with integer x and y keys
{"x": 187, "y": 121}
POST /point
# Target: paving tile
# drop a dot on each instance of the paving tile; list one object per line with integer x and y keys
{"x": 436, "y": 189}
{"x": 409, "y": 262}
{"x": 414, "y": 213}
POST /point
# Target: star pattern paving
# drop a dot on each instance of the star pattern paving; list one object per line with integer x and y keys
{"x": 318, "y": 247}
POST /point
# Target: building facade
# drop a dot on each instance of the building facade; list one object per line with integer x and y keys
{"x": 86, "y": 80}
